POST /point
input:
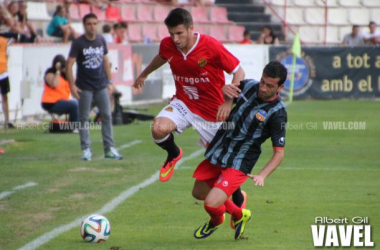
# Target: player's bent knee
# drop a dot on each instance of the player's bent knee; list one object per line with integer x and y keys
{"x": 197, "y": 195}
{"x": 160, "y": 129}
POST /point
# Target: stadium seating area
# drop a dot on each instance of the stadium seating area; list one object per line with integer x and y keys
{"x": 145, "y": 19}
{"x": 309, "y": 17}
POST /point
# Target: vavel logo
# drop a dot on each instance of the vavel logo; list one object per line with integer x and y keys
{"x": 337, "y": 232}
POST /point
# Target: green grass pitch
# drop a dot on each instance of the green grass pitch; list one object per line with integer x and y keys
{"x": 325, "y": 172}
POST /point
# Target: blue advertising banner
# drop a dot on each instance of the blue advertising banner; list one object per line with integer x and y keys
{"x": 332, "y": 73}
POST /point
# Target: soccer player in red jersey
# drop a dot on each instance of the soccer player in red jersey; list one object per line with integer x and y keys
{"x": 197, "y": 62}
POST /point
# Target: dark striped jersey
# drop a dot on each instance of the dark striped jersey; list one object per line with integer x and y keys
{"x": 237, "y": 144}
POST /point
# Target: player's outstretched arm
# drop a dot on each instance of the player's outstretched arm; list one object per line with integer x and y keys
{"x": 153, "y": 65}
{"x": 274, "y": 162}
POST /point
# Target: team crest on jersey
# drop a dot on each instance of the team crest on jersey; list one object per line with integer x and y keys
{"x": 169, "y": 109}
{"x": 202, "y": 62}
{"x": 261, "y": 115}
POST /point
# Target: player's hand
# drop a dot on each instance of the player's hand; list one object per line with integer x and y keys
{"x": 139, "y": 83}
{"x": 75, "y": 92}
{"x": 257, "y": 179}
{"x": 223, "y": 112}
{"x": 110, "y": 89}
{"x": 231, "y": 90}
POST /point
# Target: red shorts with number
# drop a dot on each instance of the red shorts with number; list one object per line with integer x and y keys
{"x": 226, "y": 179}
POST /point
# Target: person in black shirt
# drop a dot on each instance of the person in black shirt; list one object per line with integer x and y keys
{"x": 258, "y": 115}
{"x": 93, "y": 82}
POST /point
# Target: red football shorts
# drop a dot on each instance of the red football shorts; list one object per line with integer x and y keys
{"x": 226, "y": 179}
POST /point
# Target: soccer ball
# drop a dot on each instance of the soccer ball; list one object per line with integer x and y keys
{"x": 95, "y": 228}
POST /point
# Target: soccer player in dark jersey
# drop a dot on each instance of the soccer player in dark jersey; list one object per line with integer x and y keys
{"x": 258, "y": 115}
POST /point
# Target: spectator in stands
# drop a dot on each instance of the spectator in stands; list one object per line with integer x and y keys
{"x": 101, "y": 4}
{"x": 246, "y": 38}
{"x": 56, "y": 95}
{"x": 67, "y": 4}
{"x": 267, "y": 36}
{"x": 26, "y": 25}
{"x": 121, "y": 33}
{"x": 4, "y": 80}
{"x": 373, "y": 37}
{"x": 354, "y": 38}
{"x": 107, "y": 34}
{"x": 10, "y": 27}
{"x": 59, "y": 26}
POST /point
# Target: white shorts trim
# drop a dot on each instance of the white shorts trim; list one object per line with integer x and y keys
{"x": 179, "y": 113}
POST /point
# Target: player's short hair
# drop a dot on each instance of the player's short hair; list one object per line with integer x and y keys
{"x": 177, "y": 17}
{"x": 275, "y": 69}
{"x": 88, "y": 16}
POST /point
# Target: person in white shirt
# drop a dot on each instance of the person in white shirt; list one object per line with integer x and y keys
{"x": 373, "y": 37}
{"x": 107, "y": 33}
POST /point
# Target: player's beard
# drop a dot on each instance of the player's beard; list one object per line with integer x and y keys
{"x": 266, "y": 95}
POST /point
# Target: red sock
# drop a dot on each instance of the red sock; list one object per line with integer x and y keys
{"x": 216, "y": 214}
{"x": 235, "y": 211}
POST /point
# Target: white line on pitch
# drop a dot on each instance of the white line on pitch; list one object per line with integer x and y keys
{"x": 105, "y": 209}
{"x": 128, "y": 145}
{"x": 26, "y": 185}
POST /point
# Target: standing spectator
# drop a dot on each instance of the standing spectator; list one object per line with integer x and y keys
{"x": 107, "y": 33}
{"x": 267, "y": 36}
{"x": 4, "y": 80}
{"x": 56, "y": 95}
{"x": 26, "y": 26}
{"x": 246, "y": 38}
{"x": 59, "y": 26}
{"x": 373, "y": 37}
{"x": 93, "y": 79}
{"x": 354, "y": 38}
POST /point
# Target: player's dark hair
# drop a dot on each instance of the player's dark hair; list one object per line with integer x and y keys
{"x": 88, "y": 16}
{"x": 275, "y": 69}
{"x": 246, "y": 32}
{"x": 177, "y": 17}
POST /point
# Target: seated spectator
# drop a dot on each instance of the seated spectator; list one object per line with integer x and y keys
{"x": 121, "y": 33}
{"x": 246, "y": 38}
{"x": 67, "y": 4}
{"x": 10, "y": 27}
{"x": 56, "y": 95}
{"x": 59, "y": 26}
{"x": 107, "y": 34}
{"x": 26, "y": 25}
{"x": 354, "y": 38}
{"x": 373, "y": 37}
{"x": 267, "y": 36}
{"x": 101, "y": 4}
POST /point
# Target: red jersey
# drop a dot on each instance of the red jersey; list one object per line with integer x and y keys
{"x": 198, "y": 75}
